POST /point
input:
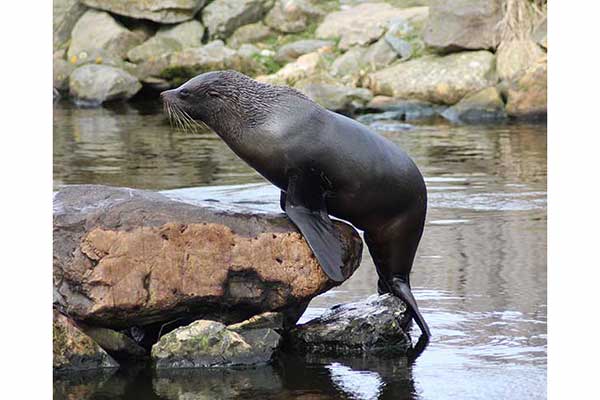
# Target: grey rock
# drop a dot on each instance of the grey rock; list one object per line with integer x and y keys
{"x": 248, "y": 50}
{"x": 380, "y": 54}
{"x": 250, "y": 33}
{"x": 375, "y": 325}
{"x": 291, "y": 51}
{"x": 485, "y": 105}
{"x": 117, "y": 344}
{"x": 99, "y": 30}
{"x": 292, "y": 16}
{"x": 168, "y": 40}
{"x": 349, "y": 63}
{"x": 463, "y": 24}
{"x": 61, "y": 70}
{"x": 400, "y": 109}
{"x": 92, "y": 84}
{"x": 335, "y": 97}
{"x": 65, "y": 14}
{"x": 404, "y": 37}
{"x": 223, "y": 17}
{"x": 126, "y": 257}
{"x": 163, "y": 11}
{"x": 206, "y": 343}
{"x": 435, "y": 79}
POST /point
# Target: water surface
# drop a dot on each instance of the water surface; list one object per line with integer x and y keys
{"x": 479, "y": 275}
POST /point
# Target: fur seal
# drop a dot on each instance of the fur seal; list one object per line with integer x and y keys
{"x": 325, "y": 164}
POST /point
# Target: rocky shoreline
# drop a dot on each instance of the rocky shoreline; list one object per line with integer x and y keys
{"x": 471, "y": 61}
{"x": 141, "y": 277}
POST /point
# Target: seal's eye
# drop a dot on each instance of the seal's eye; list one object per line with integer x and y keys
{"x": 184, "y": 92}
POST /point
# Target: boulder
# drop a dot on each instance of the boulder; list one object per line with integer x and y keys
{"x": 436, "y": 79}
{"x": 169, "y": 40}
{"x": 130, "y": 258}
{"x": 291, "y": 51}
{"x": 248, "y": 50}
{"x": 117, "y": 344}
{"x": 365, "y": 23}
{"x": 65, "y": 14}
{"x": 61, "y": 70}
{"x": 250, "y": 33}
{"x": 349, "y": 64}
{"x": 92, "y": 84}
{"x": 99, "y": 30}
{"x": 206, "y": 343}
{"x": 292, "y": 16}
{"x": 380, "y": 54}
{"x": 485, "y": 105}
{"x": 308, "y": 65}
{"x": 514, "y": 57}
{"x": 527, "y": 96}
{"x": 222, "y": 17}
{"x": 376, "y": 325}
{"x": 463, "y": 24}
{"x": 73, "y": 350}
{"x": 163, "y": 11}
{"x": 334, "y": 96}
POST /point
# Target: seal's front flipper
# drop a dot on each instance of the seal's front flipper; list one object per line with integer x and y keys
{"x": 305, "y": 205}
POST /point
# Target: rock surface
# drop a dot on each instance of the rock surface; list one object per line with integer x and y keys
{"x": 168, "y": 40}
{"x": 364, "y": 23}
{"x": 514, "y": 57}
{"x": 117, "y": 344}
{"x": 65, "y": 14}
{"x": 92, "y": 84}
{"x": 250, "y": 33}
{"x": 335, "y": 97}
{"x": 441, "y": 80}
{"x": 99, "y": 30}
{"x": 375, "y": 325}
{"x": 528, "y": 95}
{"x": 401, "y": 109}
{"x": 463, "y": 24}
{"x": 222, "y": 17}
{"x": 164, "y": 11}
{"x": 292, "y": 16}
{"x": 206, "y": 343}
{"x": 483, "y": 106}
{"x": 291, "y": 51}
{"x": 73, "y": 350}
{"x": 125, "y": 257}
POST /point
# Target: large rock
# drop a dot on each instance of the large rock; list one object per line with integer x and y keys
{"x": 250, "y": 33}
{"x": 115, "y": 343}
{"x": 527, "y": 96}
{"x": 364, "y": 23}
{"x": 292, "y": 16}
{"x": 222, "y": 17}
{"x": 291, "y": 51}
{"x": 73, "y": 350}
{"x": 378, "y": 324}
{"x": 483, "y": 106}
{"x": 463, "y": 24}
{"x": 335, "y": 97}
{"x": 93, "y": 84}
{"x": 125, "y": 257}
{"x": 99, "y": 30}
{"x": 442, "y": 80}
{"x": 164, "y": 11}
{"x": 206, "y": 343}
{"x": 169, "y": 40}
{"x": 380, "y": 54}
{"x": 514, "y": 57}
{"x": 65, "y": 14}
{"x": 349, "y": 64}
{"x": 306, "y": 66}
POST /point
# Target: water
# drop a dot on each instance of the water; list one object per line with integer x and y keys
{"x": 479, "y": 275}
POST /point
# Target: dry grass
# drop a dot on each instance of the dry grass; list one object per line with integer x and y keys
{"x": 520, "y": 18}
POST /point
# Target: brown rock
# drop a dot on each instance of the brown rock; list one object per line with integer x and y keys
{"x": 125, "y": 257}
{"x": 527, "y": 97}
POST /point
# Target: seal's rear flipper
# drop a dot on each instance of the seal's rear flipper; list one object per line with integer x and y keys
{"x": 305, "y": 205}
{"x": 402, "y": 290}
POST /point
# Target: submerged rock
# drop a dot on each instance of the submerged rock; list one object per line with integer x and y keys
{"x": 483, "y": 106}
{"x": 73, "y": 350}
{"x": 128, "y": 258}
{"x": 222, "y": 17}
{"x": 206, "y": 343}
{"x": 164, "y": 11}
{"x": 92, "y": 85}
{"x": 377, "y": 324}
{"x": 440, "y": 80}
{"x": 99, "y": 30}
{"x": 463, "y": 24}
{"x": 364, "y": 24}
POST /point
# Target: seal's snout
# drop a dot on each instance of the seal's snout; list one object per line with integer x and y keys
{"x": 166, "y": 95}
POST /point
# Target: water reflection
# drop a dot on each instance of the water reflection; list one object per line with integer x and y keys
{"x": 479, "y": 275}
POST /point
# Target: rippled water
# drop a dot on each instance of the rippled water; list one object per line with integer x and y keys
{"x": 479, "y": 275}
